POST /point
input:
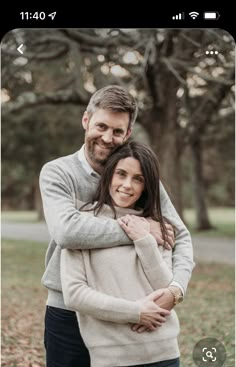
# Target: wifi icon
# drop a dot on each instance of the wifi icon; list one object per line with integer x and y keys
{"x": 194, "y": 14}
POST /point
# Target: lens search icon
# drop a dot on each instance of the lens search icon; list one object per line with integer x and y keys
{"x": 209, "y": 354}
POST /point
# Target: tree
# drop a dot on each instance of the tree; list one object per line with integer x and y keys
{"x": 166, "y": 70}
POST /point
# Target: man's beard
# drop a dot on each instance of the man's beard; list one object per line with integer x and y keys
{"x": 94, "y": 156}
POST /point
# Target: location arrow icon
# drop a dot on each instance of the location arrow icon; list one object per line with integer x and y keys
{"x": 20, "y": 49}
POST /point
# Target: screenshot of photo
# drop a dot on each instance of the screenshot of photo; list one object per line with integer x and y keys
{"x": 118, "y": 184}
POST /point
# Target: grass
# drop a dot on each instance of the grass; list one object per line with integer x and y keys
{"x": 223, "y": 219}
{"x": 208, "y": 310}
{"x": 23, "y": 300}
{"x": 29, "y": 216}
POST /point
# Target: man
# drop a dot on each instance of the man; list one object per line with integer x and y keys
{"x": 108, "y": 122}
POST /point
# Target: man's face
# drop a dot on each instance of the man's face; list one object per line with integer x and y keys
{"x": 103, "y": 132}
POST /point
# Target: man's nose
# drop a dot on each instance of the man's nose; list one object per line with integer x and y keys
{"x": 107, "y": 136}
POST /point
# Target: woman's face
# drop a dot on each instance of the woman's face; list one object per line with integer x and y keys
{"x": 127, "y": 183}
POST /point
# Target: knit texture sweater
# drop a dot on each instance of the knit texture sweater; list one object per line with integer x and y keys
{"x": 64, "y": 180}
{"x": 93, "y": 281}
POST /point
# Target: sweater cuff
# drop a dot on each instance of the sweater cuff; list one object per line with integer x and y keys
{"x": 146, "y": 240}
{"x": 123, "y": 311}
{"x": 148, "y": 250}
{"x": 136, "y": 314}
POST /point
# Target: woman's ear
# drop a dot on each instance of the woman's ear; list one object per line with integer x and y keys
{"x": 85, "y": 120}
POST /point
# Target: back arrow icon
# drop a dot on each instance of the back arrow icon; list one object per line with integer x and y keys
{"x": 20, "y": 49}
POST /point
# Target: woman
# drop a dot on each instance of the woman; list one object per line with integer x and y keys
{"x": 106, "y": 285}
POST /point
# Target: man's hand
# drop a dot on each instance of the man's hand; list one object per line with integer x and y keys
{"x": 152, "y": 316}
{"x": 166, "y": 299}
{"x": 155, "y": 230}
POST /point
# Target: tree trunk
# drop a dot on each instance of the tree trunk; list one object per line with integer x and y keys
{"x": 162, "y": 121}
{"x": 202, "y": 219}
{"x": 163, "y": 133}
{"x": 171, "y": 166}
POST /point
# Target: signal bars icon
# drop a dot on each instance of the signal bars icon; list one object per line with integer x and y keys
{"x": 178, "y": 16}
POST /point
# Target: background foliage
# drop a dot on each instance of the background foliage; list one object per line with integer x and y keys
{"x": 185, "y": 97}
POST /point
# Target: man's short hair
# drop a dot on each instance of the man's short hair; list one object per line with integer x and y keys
{"x": 114, "y": 98}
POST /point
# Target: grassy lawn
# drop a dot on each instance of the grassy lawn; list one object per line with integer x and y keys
{"x": 223, "y": 219}
{"x": 29, "y": 216}
{"x": 208, "y": 310}
{"x": 23, "y": 304}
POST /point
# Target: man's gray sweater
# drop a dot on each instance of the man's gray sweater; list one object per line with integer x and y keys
{"x": 62, "y": 182}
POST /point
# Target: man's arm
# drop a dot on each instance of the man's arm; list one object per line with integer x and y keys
{"x": 80, "y": 297}
{"x": 66, "y": 225}
{"x": 183, "y": 263}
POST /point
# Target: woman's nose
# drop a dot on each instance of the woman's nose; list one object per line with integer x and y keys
{"x": 127, "y": 182}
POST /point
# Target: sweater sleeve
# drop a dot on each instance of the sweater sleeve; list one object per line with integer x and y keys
{"x": 183, "y": 263}
{"x": 80, "y": 297}
{"x": 68, "y": 227}
{"x": 158, "y": 270}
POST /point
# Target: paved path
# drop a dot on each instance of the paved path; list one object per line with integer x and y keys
{"x": 220, "y": 250}
{"x": 25, "y": 231}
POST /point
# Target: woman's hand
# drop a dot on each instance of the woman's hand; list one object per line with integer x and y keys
{"x": 151, "y": 316}
{"x": 135, "y": 227}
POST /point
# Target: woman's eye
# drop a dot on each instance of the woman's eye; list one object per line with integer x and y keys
{"x": 121, "y": 173}
{"x": 139, "y": 179}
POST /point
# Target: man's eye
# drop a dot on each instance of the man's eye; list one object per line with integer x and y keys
{"x": 101, "y": 127}
{"x": 118, "y": 132}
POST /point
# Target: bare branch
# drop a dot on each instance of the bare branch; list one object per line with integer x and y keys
{"x": 30, "y": 99}
{"x": 173, "y": 70}
{"x": 185, "y": 66}
{"x": 87, "y": 39}
{"x": 203, "y": 113}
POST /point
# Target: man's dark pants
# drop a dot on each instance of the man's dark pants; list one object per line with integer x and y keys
{"x": 62, "y": 340}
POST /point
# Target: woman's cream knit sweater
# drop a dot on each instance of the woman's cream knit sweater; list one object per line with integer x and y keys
{"x": 104, "y": 286}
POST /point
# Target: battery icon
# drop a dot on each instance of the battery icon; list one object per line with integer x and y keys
{"x": 211, "y": 15}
